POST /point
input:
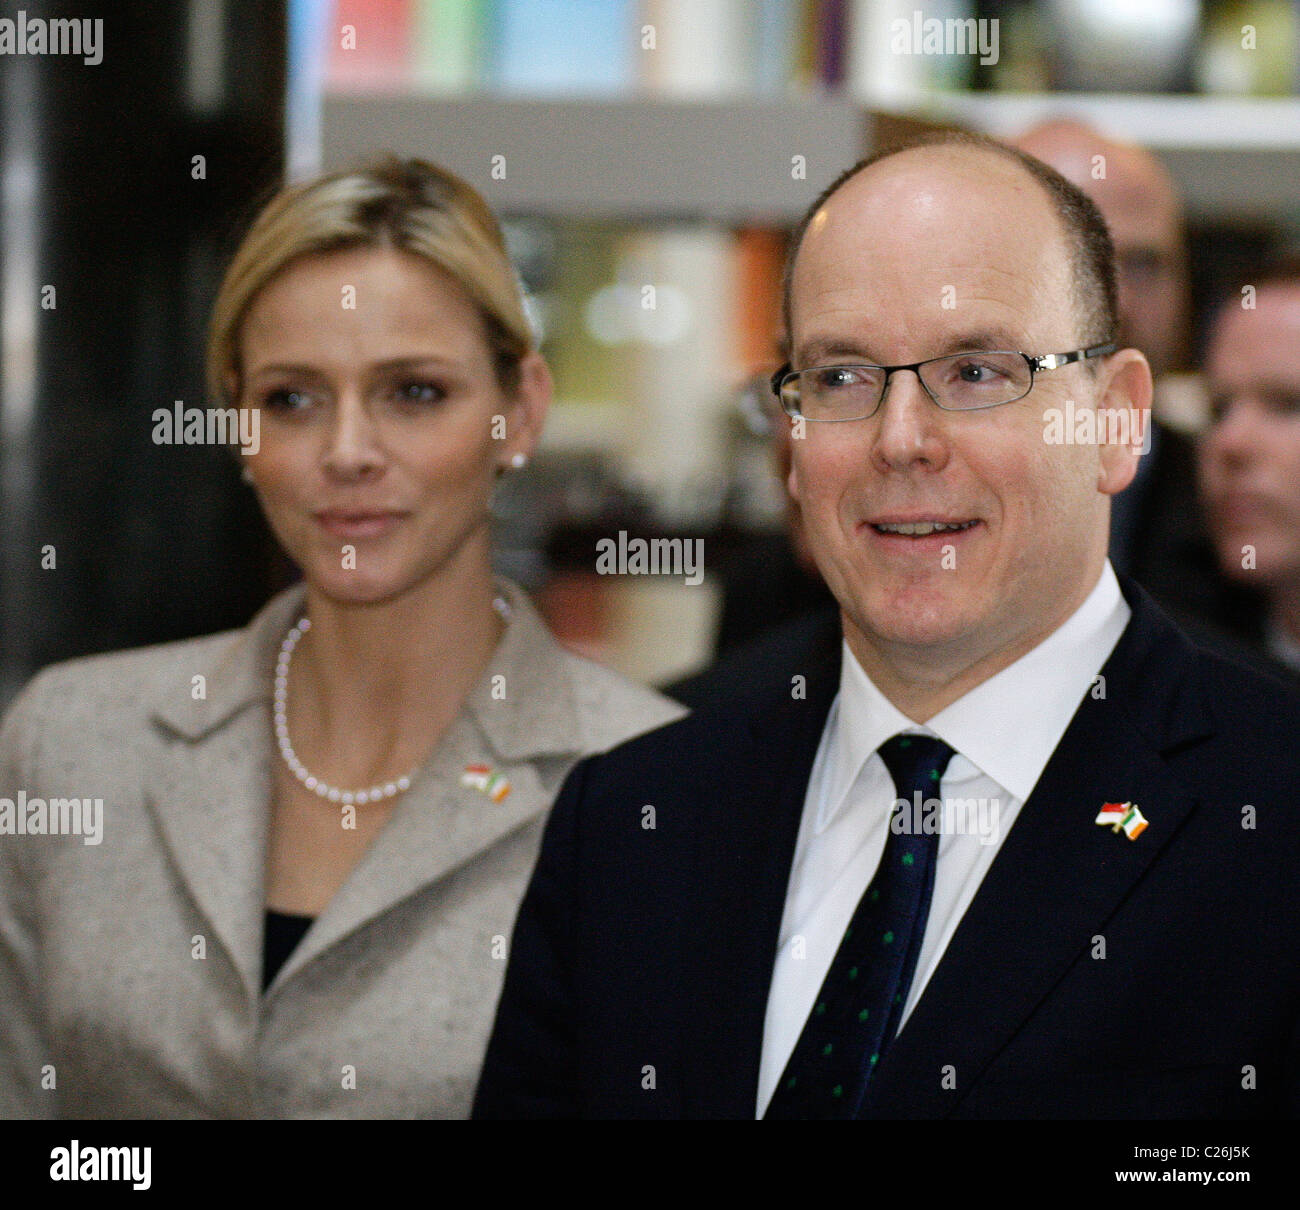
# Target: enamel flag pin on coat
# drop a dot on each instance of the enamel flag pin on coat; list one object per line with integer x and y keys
{"x": 487, "y": 779}
{"x": 1123, "y": 815}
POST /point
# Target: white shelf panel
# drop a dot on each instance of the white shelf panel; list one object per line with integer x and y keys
{"x": 633, "y": 160}
{"x": 1203, "y": 123}
{"x": 647, "y": 160}
{"x": 1233, "y": 157}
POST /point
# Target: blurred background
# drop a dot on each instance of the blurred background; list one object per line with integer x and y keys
{"x": 648, "y": 158}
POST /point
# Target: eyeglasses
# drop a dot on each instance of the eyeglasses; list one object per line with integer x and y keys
{"x": 959, "y": 382}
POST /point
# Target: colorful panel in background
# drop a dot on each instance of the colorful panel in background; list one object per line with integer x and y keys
{"x": 370, "y": 46}
{"x": 563, "y": 47}
{"x": 449, "y": 44}
{"x": 584, "y": 47}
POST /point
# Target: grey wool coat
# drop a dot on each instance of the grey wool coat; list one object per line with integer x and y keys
{"x": 130, "y": 969}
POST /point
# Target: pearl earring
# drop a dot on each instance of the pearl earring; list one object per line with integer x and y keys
{"x": 519, "y": 461}
{"x": 246, "y": 475}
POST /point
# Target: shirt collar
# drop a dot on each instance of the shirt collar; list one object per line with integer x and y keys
{"x": 862, "y": 719}
{"x": 1008, "y": 726}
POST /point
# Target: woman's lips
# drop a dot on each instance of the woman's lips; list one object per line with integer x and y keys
{"x": 358, "y": 525}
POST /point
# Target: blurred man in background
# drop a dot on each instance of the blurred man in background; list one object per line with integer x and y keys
{"x": 1250, "y": 458}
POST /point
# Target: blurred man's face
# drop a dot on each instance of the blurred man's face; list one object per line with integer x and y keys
{"x": 936, "y": 251}
{"x": 1149, "y": 267}
{"x": 1250, "y": 456}
{"x": 1144, "y": 216}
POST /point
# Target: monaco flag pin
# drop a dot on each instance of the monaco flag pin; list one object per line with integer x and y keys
{"x": 1122, "y": 815}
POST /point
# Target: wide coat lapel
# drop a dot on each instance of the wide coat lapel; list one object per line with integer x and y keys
{"x": 209, "y": 791}
{"x": 211, "y": 794}
{"x": 1058, "y": 877}
{"x": 520, "y": 718}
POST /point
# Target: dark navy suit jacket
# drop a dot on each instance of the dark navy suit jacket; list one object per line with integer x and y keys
{"x": 642, "y": 955}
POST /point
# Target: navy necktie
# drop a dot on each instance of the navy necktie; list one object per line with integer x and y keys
{"x": 857, "y": 1011}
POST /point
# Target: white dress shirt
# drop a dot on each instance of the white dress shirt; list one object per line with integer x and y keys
{"x": 1003, "y": 733}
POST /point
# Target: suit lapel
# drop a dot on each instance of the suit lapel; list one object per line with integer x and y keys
{"x": 1058, "y": 876}
{"x": 520, "y": 720}
{"x": 439, "y": 826}
{"x": 208, "y": 802}
{"x": 741, "y": 858}
{"x": 208, "y": 792}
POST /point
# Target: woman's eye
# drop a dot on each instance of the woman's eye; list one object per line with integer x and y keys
{"x": 285, "y": 399}
{"x": 420, "y": 391}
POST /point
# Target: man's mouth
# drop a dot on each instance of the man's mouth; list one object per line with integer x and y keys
{"x": 921, "y": 529}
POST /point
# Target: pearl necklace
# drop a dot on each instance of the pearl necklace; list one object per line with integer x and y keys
{"x": 376, "y": 793}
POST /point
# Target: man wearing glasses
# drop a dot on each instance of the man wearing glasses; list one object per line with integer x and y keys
{"x": 1008, "y": 845}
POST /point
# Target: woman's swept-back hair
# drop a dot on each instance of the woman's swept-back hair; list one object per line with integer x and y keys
{"x": 408, "y": 205}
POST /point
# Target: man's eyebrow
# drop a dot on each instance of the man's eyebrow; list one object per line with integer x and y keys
{"x": 830, "y": 349}
{"x": 839, "y": 349}
{"x": 980, "y": 340}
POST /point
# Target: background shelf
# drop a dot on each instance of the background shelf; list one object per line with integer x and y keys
{"x": 630, "y": 161}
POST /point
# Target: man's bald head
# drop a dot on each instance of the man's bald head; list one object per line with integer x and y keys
{"x": 1140, "y": 202}
{"x": 943, "y": 264}
{"x": 1081, "y": 225}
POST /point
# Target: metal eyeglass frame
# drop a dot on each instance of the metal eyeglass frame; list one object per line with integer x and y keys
{"x": 1048, "y": 361}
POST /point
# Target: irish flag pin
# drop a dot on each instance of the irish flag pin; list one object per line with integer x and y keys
{"x": 485, "y": 778}
{"x": 1122, "y": 815}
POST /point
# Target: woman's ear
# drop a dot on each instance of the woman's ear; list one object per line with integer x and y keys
{"x": 531, "y": 402}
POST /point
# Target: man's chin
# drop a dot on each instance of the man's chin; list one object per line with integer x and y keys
{"x": 911, "y": 620}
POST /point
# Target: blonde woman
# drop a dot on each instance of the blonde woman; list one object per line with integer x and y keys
{"x": 315, "y": 830}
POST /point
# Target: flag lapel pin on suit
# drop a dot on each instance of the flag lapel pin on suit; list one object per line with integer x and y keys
{"x": 483, "y": 777}
{"x": 1123, "y": 816}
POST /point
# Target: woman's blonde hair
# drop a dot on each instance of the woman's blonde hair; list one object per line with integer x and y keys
{"x": 409, "y": 205}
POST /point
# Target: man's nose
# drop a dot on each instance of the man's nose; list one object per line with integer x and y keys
{"x": 908, "y": 424}
{"x": 1240, "y": 432}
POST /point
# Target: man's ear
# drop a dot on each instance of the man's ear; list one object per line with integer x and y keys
{"x": 792, "y": 480}
{"x": 1123, "y": 418}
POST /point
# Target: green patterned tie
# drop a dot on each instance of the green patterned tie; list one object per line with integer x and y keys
{"x": 857, "y": 1011}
